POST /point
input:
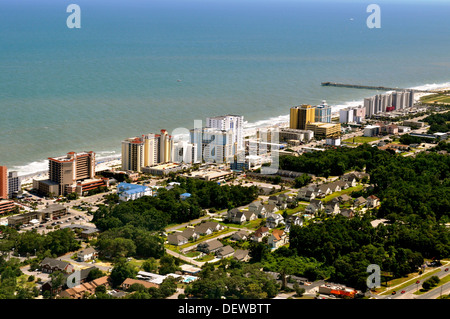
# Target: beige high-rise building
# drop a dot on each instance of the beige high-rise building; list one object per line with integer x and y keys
{"x": 300, "y": 116}
{"x": 151, "y": 149}
{"x": 133, "y": 154}
{"x": 146, "y": 151}
{"x": 165, "y": 147}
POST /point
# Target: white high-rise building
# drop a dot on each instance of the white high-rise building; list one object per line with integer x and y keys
{"x": 346, "y": 115}
{"x": 229, "y": 122}
{"x": 184, "y": 152}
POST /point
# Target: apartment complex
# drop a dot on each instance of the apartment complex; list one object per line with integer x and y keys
{"x": 234, "y": 123}
{"x": 381, "y": 103}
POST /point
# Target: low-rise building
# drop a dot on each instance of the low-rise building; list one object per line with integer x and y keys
{"x": 50, "y": 265}
{"x": 127, "y": 191}
{"x": 87, "y": 254}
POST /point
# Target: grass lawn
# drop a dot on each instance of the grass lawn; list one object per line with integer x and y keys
{"x": 345, "y": 191}
{"x": 443, "y": 281}
{"x": 300, "y": 208}
{"x": 405, "y": 281}
{"x": 439, "y": 98}
{"x": 361, "y": 139}
{"x": 203, "y": 238}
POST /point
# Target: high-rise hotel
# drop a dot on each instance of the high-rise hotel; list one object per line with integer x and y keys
{"x": 301, "y": 116}
{"x": 70, "y": 173}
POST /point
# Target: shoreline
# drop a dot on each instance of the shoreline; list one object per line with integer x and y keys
{"x": 27, "y": 175}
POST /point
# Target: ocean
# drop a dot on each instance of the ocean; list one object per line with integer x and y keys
{"x": 136, "y": 67}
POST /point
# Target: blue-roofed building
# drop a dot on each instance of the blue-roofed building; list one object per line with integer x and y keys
{"x": 185, "y": 196}
{"x": 128, "y": 191}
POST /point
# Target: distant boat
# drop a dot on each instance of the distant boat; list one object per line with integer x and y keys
{"x": 179, "y": 80}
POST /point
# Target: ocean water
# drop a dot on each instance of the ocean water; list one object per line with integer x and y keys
{"x": 137, "y": 67}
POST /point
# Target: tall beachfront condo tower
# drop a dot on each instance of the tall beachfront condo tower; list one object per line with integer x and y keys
{"x": 300, "y": 116}
{"x": 165, "y": 147}
{"x": 133, "y": 154}
{"x": 3, "y": 182}
{"x": 14, "y": 183}
{"x": 229, "y": 122}
{"x": 66, "y": 170}
{"x": 323, "y": 113}
{"x": 151, "y": 149}
{"x": 213, "y": 145}
{"x": 184, "y": 152}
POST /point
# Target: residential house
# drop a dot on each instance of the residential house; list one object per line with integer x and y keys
{"x": 236, "y": 216}
{"x": 207, "y": 228}
{"x": 347, "y": 213}
{"x": 277, "y": 239}
{"x": 254, "y": 206}
{"x": 323, "y": 190}
{"x": 249, "y": 216}
{"x": 350, "y": 178}
{"x": 293, "y": 220}
{"x": 203, "y": 229}
{"x": 241, "y": 255}
{"x": 306, "y": 193}
{"x": 360, "y": 201}
{"x": 268, "y": 208}
{"x": 334, "y": 187}
{"x": 342, "y": 184}
{"x": 49, "y": 265}
{"x": 273, "y": 220}
{"x": 315, "y": 206}
{"x": 215, "y": 226}
{"x": 273, "y": 199}
{"x": 260, "y": 211}
{"x": 209, "y": 247}
{"x": 332, "y": 208}
{"x": 224, "y": 252}
{"x": 87, "y": 254}
{"x": 260, "y": 233}
{"x": 239, "y": 235}
{"x": 344, "y": 198}
{"x": 372, "y": 201}
{"x": 177, "y": 239}
{"x": 190, "y": 233}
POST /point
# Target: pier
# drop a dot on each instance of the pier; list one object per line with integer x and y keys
{"x": 369, "y": 87}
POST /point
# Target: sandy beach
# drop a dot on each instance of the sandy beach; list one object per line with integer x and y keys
{"x": 101, "y": 165}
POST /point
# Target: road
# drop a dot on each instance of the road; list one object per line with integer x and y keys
{"x": 413, "y": 287}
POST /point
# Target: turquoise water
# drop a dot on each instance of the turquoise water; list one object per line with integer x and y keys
{"x": 138, "y": 67}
